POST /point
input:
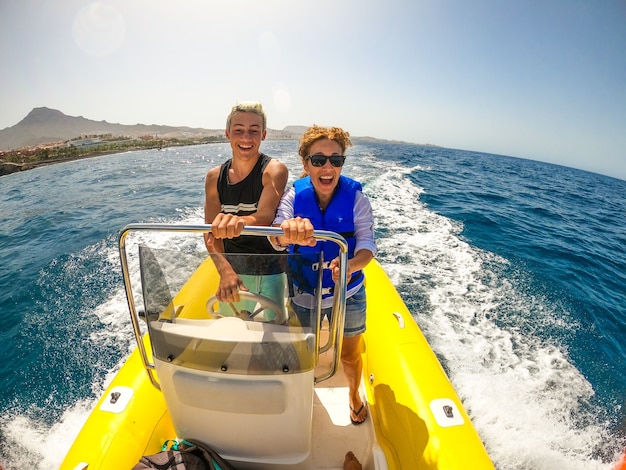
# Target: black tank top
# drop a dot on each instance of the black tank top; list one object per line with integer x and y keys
{"x": 242, "y": 199}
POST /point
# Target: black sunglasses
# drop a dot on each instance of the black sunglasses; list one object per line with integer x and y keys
{"x": 320, "y": 160}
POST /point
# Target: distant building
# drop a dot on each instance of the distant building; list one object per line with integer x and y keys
{"x": 84, "y": 143}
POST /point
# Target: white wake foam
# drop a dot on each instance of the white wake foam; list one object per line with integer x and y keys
{"x": 522, "y": 393}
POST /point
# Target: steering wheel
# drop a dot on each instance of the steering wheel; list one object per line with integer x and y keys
{"x": 265, "y": 303}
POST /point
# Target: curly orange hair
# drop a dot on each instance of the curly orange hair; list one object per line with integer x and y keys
{"x": 315, "y": 133}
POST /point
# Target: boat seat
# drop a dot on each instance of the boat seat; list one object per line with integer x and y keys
{"x": 245, "y": 388}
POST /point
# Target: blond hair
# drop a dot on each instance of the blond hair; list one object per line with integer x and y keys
{"x": 315, "y": 133}
{"x": 247, "y": 107}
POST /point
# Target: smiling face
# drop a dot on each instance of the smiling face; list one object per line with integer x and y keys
{"x": 245, "y": 134}
{"x": 326, "y": 177}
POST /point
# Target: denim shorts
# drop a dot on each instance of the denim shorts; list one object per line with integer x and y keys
{"x": 354, "y": 324}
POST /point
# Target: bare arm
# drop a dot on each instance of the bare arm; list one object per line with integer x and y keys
{"x": 274, "y": 182}
{"x": 356, "y": 263}
{"x": 230, "y": 282}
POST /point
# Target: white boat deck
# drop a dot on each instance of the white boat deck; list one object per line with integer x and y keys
{"x": 333, "y": 432}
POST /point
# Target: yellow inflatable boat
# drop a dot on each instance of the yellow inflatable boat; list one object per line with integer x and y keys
{"x": 263, "y": 391}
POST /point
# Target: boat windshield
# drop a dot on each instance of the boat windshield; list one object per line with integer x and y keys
{"x": 274, "y": 327}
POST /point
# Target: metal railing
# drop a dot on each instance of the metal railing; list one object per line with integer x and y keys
{"x": 339, "y": 302}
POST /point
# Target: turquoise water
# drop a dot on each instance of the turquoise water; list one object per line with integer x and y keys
{"x": 514, "y": 270}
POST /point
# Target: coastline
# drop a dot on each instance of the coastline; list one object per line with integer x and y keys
{"x": 9, "y": 167}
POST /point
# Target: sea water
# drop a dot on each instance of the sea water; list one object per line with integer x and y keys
{"x": 514, "y": 270}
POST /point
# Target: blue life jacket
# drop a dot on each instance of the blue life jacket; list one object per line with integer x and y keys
{"x": 337, "y": 217}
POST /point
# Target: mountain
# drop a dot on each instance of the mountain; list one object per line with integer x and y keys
{"x": 44, "y": 125}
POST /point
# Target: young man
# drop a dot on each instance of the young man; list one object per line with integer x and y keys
{"x": 245, "y": 190}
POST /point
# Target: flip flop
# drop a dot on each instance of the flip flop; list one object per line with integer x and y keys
{"x": 351, "y": 462}
{"x": 357, "y": 413}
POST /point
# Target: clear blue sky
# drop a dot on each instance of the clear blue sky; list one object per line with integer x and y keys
{"x": 538, "y": 79}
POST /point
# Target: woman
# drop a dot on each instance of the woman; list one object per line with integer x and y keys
{"x": 326, "y": 200}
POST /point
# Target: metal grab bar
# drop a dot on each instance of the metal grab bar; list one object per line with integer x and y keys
{"x": 339, "y": 303}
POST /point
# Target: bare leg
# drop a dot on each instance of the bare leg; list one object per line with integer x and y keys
{"x": 353, "y": 367}
{"x": 351, "y": 462}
